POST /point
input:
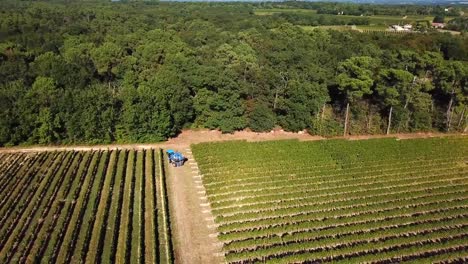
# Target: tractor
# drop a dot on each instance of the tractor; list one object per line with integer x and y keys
{"x": 175, "y": 158}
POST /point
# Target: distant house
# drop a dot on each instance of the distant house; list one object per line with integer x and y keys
{"x": 438, "y": 25}
{"x": 406, "y": 27}
{"x": 397, "y": 28}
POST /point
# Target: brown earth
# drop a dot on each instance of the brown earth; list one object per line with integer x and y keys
{"x": 188, "y": 137}
{"x": 194, "y": 240}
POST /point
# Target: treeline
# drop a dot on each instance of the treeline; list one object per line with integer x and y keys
{"x": 96, "y": 73}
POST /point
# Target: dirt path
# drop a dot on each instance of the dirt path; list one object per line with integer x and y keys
{"x": 188, "y": 137}
{"x": 193, "y": 236}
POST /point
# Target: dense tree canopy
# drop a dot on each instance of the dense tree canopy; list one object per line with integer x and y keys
{"x": 134, "y": 72}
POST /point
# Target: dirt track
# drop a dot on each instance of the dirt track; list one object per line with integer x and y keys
{"x": 188, "y": 137}
{"x": 193, "y": 237}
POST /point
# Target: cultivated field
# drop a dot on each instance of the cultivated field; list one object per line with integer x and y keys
{"x": 378, "y": 200}
{"x": 272, "y": 11}
{"x": 376, "y": 23}
{"x": 373, "y": 20}
{"x": 83, "y": 206}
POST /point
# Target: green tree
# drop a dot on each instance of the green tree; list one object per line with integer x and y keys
{"x": 355, "y": 80}
{"x": 106, "y": 59}
{"x": 41, "y": 113}
{"x": 93, "y": 115}
{"x": 10, "y": 95}
{"x": 156, "y": 110}
{"x": 13, "y": 62}
{"x": 240, "y": 58}
{"x": 449, "y": 79}
{"x": 262, "y": 118}
{"x": 301, "y": 101}
{"x": 392, "y": 86}
{"x": 222, "y": 109}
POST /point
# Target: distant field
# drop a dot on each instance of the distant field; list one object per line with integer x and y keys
{"x": 376, "y": 28}
{"x": 83, "y": 207}
{"x": 372, "y": 28}
{"x": 271, "y": 11}
{"x": 391, "y": 20}
{"x": 369, "y": 201}
{"x": 328, "y": 27}
{"x": 374, "y": 20}
{"x": 358, "y": 28}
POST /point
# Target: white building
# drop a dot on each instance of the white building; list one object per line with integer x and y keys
{"x": 407, "y": 27}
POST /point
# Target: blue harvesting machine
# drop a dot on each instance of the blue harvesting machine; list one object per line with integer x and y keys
{"x": 175, "y": 158}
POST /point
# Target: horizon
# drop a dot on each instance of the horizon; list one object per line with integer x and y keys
{"x": 379, "y": 2}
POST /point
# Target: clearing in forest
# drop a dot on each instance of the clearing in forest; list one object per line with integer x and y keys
{"x": 376, "y": 200}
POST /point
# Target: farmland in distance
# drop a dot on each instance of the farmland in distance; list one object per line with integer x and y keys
{"x": 83, "y": 207}
{"x": 378, "y": 200}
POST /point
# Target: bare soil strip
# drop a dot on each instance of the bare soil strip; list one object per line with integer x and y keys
{"x": 188, "y": 137}
{"x": 194, "y": 240}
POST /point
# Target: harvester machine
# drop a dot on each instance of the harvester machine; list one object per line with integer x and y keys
{"x": 175, "y": 158}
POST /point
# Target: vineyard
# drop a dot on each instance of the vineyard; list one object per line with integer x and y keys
{"x": 84, "y": 207}
{"x": 378, "y": 200}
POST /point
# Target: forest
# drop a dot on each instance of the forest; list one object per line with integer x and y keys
{"x": 82, "y": 72}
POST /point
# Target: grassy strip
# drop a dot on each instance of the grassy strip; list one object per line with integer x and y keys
{"x": 346, "y": 250}
{"x": 27, "y": 209}
{"x": 137, "y": 236}
{"x": 293, "y": 210}
{"x": 10, "y": 199}
{"x": 384, "y": 183}
{"x": 123, "y": 251}
{"x": 38, "y": 220}
{"x": 41, "y": 236}
{"x": 166, "y": 253}
{"x": 151, "y": 234}
{"x": 10, "y": 162}
{"x": 339, "y": 228}
{"x": 81, "y": 198}
{"x": 322, "y": 172}
{"x": 34, "y": 231}
{"x": 50, "y": 253}
{"x": 18, "y": 227}
{"x": 272, "y": 11}
{"x": 99, "y": 227}
{"x": 14, "y": 173}
{"x": 381, "y": 249}
{"x": 242, "y": 230}
{"x": 332, "y": 180}
{"x": 353, "y": 201}
{"x": 113, "y": 222}
{"x": 452, "y": 254}
{"x": 319, "y": 240}
{"x": 89, "y": 216}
